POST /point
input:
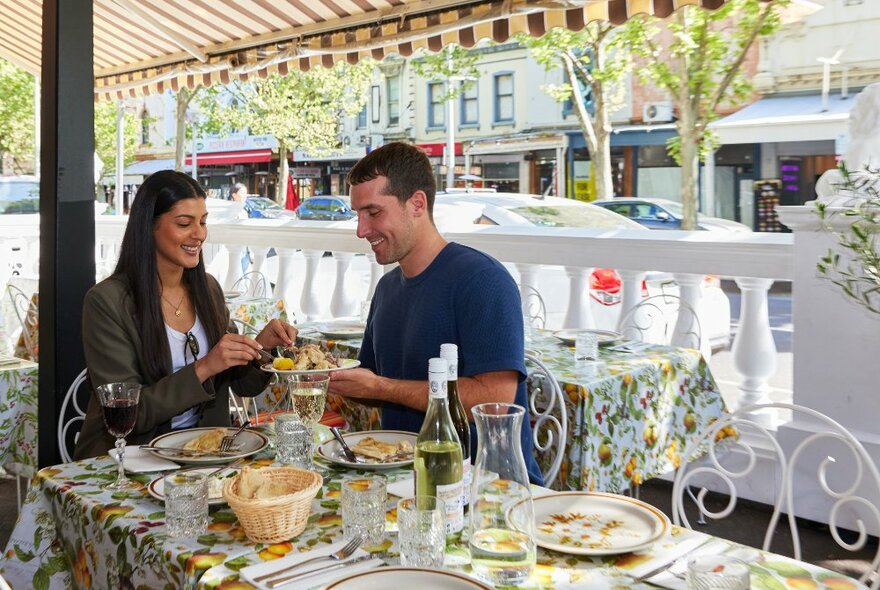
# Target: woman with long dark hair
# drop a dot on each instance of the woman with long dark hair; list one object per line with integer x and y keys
{"x": 160, "y": 320}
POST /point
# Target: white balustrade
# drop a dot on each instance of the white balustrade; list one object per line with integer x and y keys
{"x": 754, "y": 351}
{"x": 233, "y": 265}
{"x": 376, "y": 272}
{"x": 310, "y": 302}
{"x": 690, "y": 291}
{"x": 630, "y": 292}
{"x": 578, "y": 314}
{"x": 528, "y": 279}
{"x": 259, "y": 264}
{"x": 343, "y": 302}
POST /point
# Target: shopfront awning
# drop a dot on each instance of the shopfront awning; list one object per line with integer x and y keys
{"x": 148, "y": 46}
{"x": 224, "y": 158}
{"x": 778, "y": 119}
{"x": 147, "y": 167}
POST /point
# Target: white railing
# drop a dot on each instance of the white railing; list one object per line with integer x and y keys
{"x": 753, "y": 260}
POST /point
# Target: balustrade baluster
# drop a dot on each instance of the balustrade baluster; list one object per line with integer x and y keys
{"x": 376, "y": 272}
{"x": 284, "y": 281}
{"x": 309, "y": 302}
{"x": 342, "y": 303}
{"x": 233, "y": 265}
{"x": 754, "y": 350}
{"x": 630, "y": 292}
{"x": 691, "y": 293}
{"x": 578, "y": 314}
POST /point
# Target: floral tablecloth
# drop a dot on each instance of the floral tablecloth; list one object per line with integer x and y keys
{"x": 630, "y": 415}
{"x": 73, "y": 534}
{"x": 257, "y": 311}
{"x": 18, "y": 418}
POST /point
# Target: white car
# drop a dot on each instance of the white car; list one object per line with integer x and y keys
{"x": 457, "y": 208}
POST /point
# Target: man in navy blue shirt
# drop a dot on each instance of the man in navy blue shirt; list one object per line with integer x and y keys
{"x": 440, "y": 292}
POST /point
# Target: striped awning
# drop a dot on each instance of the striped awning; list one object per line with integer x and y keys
{"x": 145, "y": 46}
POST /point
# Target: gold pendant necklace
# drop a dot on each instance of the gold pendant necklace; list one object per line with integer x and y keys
{"x": 177, "y": 311}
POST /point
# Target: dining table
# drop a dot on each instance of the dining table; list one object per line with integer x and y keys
{"x": 631, "y": 413}
{"x": 19, "y": 381}
{"x": 72, "y": 533}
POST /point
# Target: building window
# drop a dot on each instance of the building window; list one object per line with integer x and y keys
{"x": 436, "y": 112}
{"x": 145, "y": 127}
{"x": 503, "y": 97}
{"x": 393, "y": 87}
{"x": 470, "y": 108}
{"x": 362, "y": 118}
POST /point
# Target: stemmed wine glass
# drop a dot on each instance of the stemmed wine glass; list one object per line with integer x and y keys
{"x": 308, "y": 394}
{"x": 119, "y": 402}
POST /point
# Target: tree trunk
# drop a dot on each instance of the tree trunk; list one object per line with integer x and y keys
{"x": 283, "y": 173}
{"x": 182, "y": 102}
{"x": 690, "y": 161}
{"x": 601, "y": 154}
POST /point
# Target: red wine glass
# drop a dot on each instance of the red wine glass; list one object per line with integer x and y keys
{"x": 119, "y": 402}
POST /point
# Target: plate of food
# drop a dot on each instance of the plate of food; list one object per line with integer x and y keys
{"x": 375, "y": 449}
{"x": 606, "y": 337}
{"x": 342, "y": 330}
{"x": 390, "y": 577}
{"x": 201, "y": 446}
{"x": 308, "y": 358}
{"x": 596, "y": 523}
{"x": 216, "y": 481}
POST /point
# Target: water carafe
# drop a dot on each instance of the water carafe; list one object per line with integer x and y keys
{"x": 502, "y": 533}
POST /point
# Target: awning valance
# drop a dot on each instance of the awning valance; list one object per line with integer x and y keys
{"x": 222, "y": 158}
{"x": 144, "y": 46}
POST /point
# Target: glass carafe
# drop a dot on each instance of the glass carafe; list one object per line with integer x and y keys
{"x": 502, "y": 533}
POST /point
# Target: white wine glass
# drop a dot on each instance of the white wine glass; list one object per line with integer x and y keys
{"x": 308, "y": 395}
{"x": 119, "y": 402}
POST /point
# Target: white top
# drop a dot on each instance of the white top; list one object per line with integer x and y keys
{"x": 181, "y": 356}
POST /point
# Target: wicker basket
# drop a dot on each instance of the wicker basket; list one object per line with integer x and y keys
{"x": 273, "y": 520}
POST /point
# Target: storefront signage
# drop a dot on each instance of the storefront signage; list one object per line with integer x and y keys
{"x": 306, "y": 171}
{"x": 437, "y": 149}
{"x": 349, "y": 153}
{"x": 233, "y": 143}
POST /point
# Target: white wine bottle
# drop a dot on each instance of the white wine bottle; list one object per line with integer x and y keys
{"x": 459, "y": 419}
{"x": 437, "y": 461}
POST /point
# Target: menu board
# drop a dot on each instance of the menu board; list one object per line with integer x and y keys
{"x": 768, "y": 194}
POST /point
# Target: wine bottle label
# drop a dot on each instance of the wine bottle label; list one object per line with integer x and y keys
{"x": 437, "y": 386}
{"x": 453, "y": 371}
{"x": 466, "y": 477}
{"x": 450, "y": 496}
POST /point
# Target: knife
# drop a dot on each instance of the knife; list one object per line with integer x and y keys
{"x": 317, "y": 571}
{"x": 346, "y": 451}
{"x": 193, "y": 452}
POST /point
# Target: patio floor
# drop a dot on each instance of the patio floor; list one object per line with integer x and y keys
{"x": 747, "y": 527}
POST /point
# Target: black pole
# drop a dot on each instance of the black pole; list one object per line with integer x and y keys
{"x": 67, "y": 210}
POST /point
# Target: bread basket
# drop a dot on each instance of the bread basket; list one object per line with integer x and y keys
{"x": 273, "y": 520}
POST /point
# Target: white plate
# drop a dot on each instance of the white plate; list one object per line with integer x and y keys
{"x": 249, "y": 442}
{"x": 606, "y": 337}
{"x": 156, "y": 488}
{"x": 232, "y": 295}
{"x": 346, "y": 364}
{"x": 595, "y": 523}
{"x": 406, "y": 577}
{"x": 342, "y": 330}
{"x": 332, "y": 451}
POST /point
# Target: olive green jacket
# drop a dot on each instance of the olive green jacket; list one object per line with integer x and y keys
{"x": 113, "y": 354}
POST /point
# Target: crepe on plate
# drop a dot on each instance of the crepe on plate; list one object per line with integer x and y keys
{"x": 209, "y": 441}
{"x": 379, "y": 450}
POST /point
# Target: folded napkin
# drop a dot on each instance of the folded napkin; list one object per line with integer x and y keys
{"x": 317, "y": 581}
{"x": 674, "y": 573}
{"x": 404, "y": 488}
{"x": 138, "y": 460}
{"x": 8, "y": 361}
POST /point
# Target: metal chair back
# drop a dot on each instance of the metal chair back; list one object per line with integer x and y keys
{"x": 547, "y": 409}
{"x": 73, "y": 414}
{"x": 663, "y": 319}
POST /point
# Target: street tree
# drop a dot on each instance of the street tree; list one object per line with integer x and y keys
{"x": 595, "y": 63}
{"x": 697, "y": 57}
{"x": 105, "y": 135}
{"x": 182, "y": 116}
{"x": 16, "y": 114}
{"x": 301, "y": 110}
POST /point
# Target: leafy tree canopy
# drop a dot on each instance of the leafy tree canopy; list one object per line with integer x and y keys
{"x": 16, "y": 112}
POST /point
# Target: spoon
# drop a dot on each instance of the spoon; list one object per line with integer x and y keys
{"x": 347, "y": 452}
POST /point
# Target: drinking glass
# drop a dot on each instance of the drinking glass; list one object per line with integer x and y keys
{"x": 119, "y": 402}
{"x": 308, "y": 393}
{"x": 186, "y": 504}
{"x": 586, "y": 347}
{"x": 421, "y": 532}
{"x": 363, "y": 509}
{"x": 293, "y": 441}
{"x": 717, "y": 572}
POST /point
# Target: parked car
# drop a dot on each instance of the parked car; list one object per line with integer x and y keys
{"x": 665, "y": 214}
{"x": 19, "y": 194}
{"x": 456, "y": 208}
{"x": 258, "y": 207}
{"x": 325, "y": 209}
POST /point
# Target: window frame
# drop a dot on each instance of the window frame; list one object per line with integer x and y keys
{"x": 496, "y": 102}
{"x": 462, "y": 104}
{"x": 392, "y": 100}
{"x": 432, "y": 123}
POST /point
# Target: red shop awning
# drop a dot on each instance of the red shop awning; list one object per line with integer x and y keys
{"x": 221, "y": 158}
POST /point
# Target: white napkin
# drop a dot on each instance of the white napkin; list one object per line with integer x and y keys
{"x": 8, "y": 361}
{"x": 677, "y": 559}
{"x": 405, "y": 488}
{"x": 317, "y": 581}
{"x": 138, "y": 460}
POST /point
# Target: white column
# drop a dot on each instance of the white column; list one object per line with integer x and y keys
{"x": 233, "y": 265}
{"x": 284, "y": 281}
{"x": 754, "y": 351}
{"x": 578, "y": 314}
{"x": 528, "y": 277}
{"x": 309, "y": 302}
{"x": 342, "y": 303}
{"x": 691, "y": 293}
{"x": 630, "y": 292}
{"x": 376, "y": 272}
{"x": 259, "y": 259}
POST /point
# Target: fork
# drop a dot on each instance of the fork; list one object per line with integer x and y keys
{"x": 343, "y": 553}
{"x": 226, "y": 441}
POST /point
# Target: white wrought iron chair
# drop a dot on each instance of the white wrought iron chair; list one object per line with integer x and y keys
{"x": 663, "y": 319}
{"x": 27, "y": 314}
{"x": 547, "y": 409}
{"x": 73, "y": 414}
{"x": 533, "y": 308}
{"x": 251, "y": 284}
{"x": 722, "y": 454}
